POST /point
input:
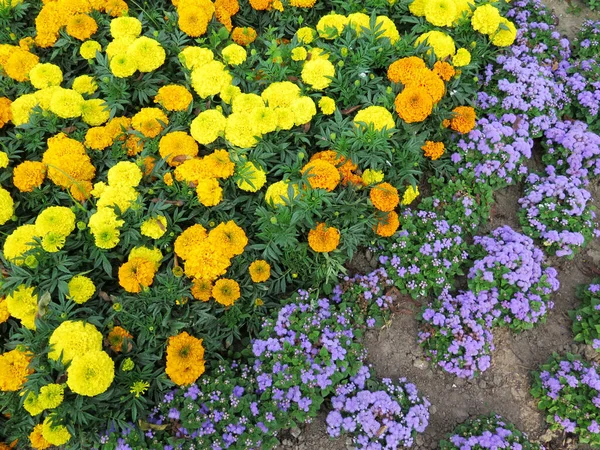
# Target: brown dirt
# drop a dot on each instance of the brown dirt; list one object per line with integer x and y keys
{"x": 571, "y": 14}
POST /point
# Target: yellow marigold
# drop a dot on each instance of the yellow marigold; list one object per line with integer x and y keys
{"x": 66, "y": 103}
{"x": 120, "y": 195}
{"x": 441, "y": 13}
{"x": 95, "y": 112}
{"x": 4, "y": 314}
{"x": 433, "y": 150}
{"x": 188, "y": 239}
{"x": 185, "y": 359}
{"x": 81, "y": 289}
{"x": 279, "y": 193}
{"x": 243, "y": 35}
{"x": 5, "y": 111}
{"x": 176, "y": 147}
{"x": 14, "y": 370}
{"x": 85, "y": 84}
{"x": 246, "y": 103}
{"x": 81, "y": 26}
{"x": 89, "y": 48}
{"x": 442, "y": 44}
{"x": 208, "y": 126}
{"x": 463, "y": 120}
{"x": 462, "y": 58}
{"x": 193, "y": 20}
{"x": 124, "y": 174}
{"x": 154, "y": 227}
{"x": 36, "y": 439}
{"x": 125, "y": 26}
{"x": 136, "y": 274}
{"x": 118, "y": 126}
{"x": 285, "y": 118}
{"x": 123, "y": 65}
{"x": 117, "y": 337}
{"x": 18, "y": 242}
{"x": 299, "y": 54}
{"x": 91, "y": 373}
{"x": 168, "y": 179}
{"x": 147, "y": 53}
{"x": 153, "y": 255}
{"x": 98, "y": 138}
{"x": 202, "y": 289}
{"x": 318, "y": 73}
{"x": 486, "y": 19}
{"x": 149, "y": 121}
{"x": 53, "y": 242}
{"x": 261, "y": 5}
{"x": 504, "y": 36}
{"x": 44, "y": 75}
{"x": 234, "y": 54}
{"x": 323, "y": 239}
{"x": 413, "y": 105}
{"x": 228, "y": 93}
{"x": 302, "y": 3}
{"x": 331, "y": 26}
{"x": 72, "y": 338}
{"x": 195, "y": 57}
{"x": 378, "y": 116}
{"x": 306, "y": 35}
{"x": 193, "y": 170}
{"x": 67, "y": 161}
{"x": 22, "y": 108}
{"x": 251, "y": 177}
{"x": 410, "y": 194}
{"x": 51, "y": 396}
{"x": 3, "y": 160}
{"x": 264, "y": 120}
{"x": 387, "y": 224}
{"x": 22, "y": 305}
{"x": 55, "y": 434}
{"x": 226, "y": 291}
{"x": 384, "y": 197}
{"x": 444, "y": 70}
{"x": 220, "y": 164}
{"x": 371, "y": 176}
{"x": 240, "y": 132}
{"x": 26, "y": 43}
{"x": 327, "y": 105}
{"x": 229, "y": 237}
{"x": 204, "y": 261}
{"x": 56, "y": 219}
{"x": 174, "y": 97}
{"x": 19, "y": 63}
{"x": 210, "y": 78}
{"x": 120, "y": 46}
{"x": 359, "y": 21}
{"x": 260, "y": 271}
{"x": 389, "y": 28}
{"x": 304, "y": 110}
{"x": 322, "y": 174}
{"x": 6, "y": 206}
{"x": 209, "y": 192}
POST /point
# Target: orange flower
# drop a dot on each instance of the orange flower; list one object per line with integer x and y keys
{"x": 14, "y": 367}
{"x": 463, "y": 120}
{"x": 387, "y": 225}
{"x": 185, "y": 359}
{"x": 323, "y": 239}
{"x": 134, "y": 145}
{"x": 261, "y": 5}
{"x": 135, "y": 274}
{"x": 322, "y": 175}
{"x": 116, "y": 8}
{"x": 37, "y": 439}
{"x": 344, "y": 166}
{"x": 81, "y": 26}
{"x": 433, "y": 150}
{"x": 429, "y": 82}
{"x": 29, "y": 175}
{"x": 413, "y": 105}
{"x": 260, "y": 271}
{"x": 149, "y": 121}
{"x": 116, "y": 338}
{"x": 80, "y": 190}
{"x": 405, "y": 70}
{"x": 229, "y": 238}
{"x": 224, "y": 9}
{"x": 188, "y": 239}
{"x": 5, "y": 112}
{"x": 385, "y": 197}
{"x": 243, "y": 36}
{"x": 202, "y": 289}
{"x": 444, "y": 70}
{"x": 226, "y": 291}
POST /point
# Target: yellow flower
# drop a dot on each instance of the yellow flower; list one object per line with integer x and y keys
{"x": 306, "y": 35}
{"x": 89, "y": 48}
{"x": 330, "y": 26}
{"x": 358, "y": 21}
{"x": 506, "y": 33}
{"x": 389, "y": 28}
{"x": 185, "y": 359}
{"x": 51, "y": 396}
{"x": 53, "y": 242}
{"x": 246, "y": 103}
{"x": 377, "y": 116}
{"x": 85, "y": 84}
{"x": 195, "y": 57}
{"x": 123, "y": 65}
{"x": 462, "y": 58}
{"x": 139, "y": 388}
{"x": 318, "y": 73}
{"x": 147, "y": 53}
{"x": 410, "y": 194}
{"x": 441, "y": 13}
{"x": 228, "y": 93}
{"x": 22, "y": 107}
{"x": 95, "y": 112}
{"x": 154, "y": 227}
{"x": 55, "y": 434}
{"x": 6, "y": 206}
{"x": 209, "y": 192}
{"x": 486, "y": 19}
{"x": 250, "y": 177}
{"x": 73, "y": 338}
{"x": 66, "y": 103}
{"x": 14, "y": 370}
{"x": 371, "y": 176}
{"x": 327, "y": 105}
{"x": 91, "y": 373}
{"x": 177, "y": 147}
{"x": 45, "y": 75}
{"x": 153, "y": 255}
{"x": 299, "y": 54}
{"x": 260, "y": 271}
{"x": 81, "y": 289}
{"x": 125, "y": 26}
{"x": 234, "y": 54}
{"x": 239, "y": 132}
{"x": 226, "y": 291}
{"x": 37, "y": 439}
{"x": 174, "y": 97}
{"x": 22, "y": 304}
{"x": 279, "y": 193}
{"x": 18, "y": 242}
{"x": 135, "y": 274}
{"x": 124, "y": 173}
{"x": 323, "y": 239}
{"x": 208, "y": 126}
{"x": 442, "y": 44}
{"x": 210, "y": 78}
{"x": 57, "y": 219}
{"x": 149, "y": 121}
{"x": 304, "y": 110}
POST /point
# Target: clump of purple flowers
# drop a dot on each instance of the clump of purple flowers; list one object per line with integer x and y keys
{"x": 588, "y": 40}
{"x": 556, "y": 209}
{"x": 457, "y": 331}
{"x": 568, "y": 389}
{"x": 384, "y": 415}
{"x": 425, "y": 255}
{"x": 511, "y": 263}
{"x": 586, "y": 319}
{"x": 582, "y": 83}
{"x": 496, "y": 150}
{"x": 488, "y": 432}
{"x": 572, "y": 149}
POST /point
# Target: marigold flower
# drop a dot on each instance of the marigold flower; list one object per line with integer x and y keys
{"x": 433, "y": 150}
{"x": 501, "y": 37}
{"x": 195, "y": 57}
{"x": 327, "y": 105}
{"x": 486, "y": 19}
{"x": 331, "y": 25}
{"x": 344, "y": 166}
{"x": 66, "y": 103}
{"x": 387, "y": 224}
{"x": 45, "y": 75}
{"x": 5, "y": 111}
{"x": 136, "y": 274}
{"x": 463, "y": 121}
{"x": 176, "y": 147}
{"x": 4, "y": 314}
{"x": 36, "y": 439}
{"x": 19, "y": 63}
{"x": 72, "y": 338}
{"x": 6, "y": 206}
{"x": 81, "y": 289}
{"x": 226, "y": 291}
{"x": 95, "y": 112}
{"x": 405, "y": 70}
{"x": 384, "y": 197}
{"x": 378, "y": 116}
{"x": 413, "y": 104}
{"x": 388, "y": 27}
{"x": 149, "y": 121}
{"x": 91, "y": 373}
{"x": 441, "y": 13}
{"x": 323, "y": 239}
{"x": 210, "y": 78}
{"x": 234, "y": 54}
{"x": 117, "y": 337}
{"x": 443, "y": 70}
{"x": 55, "y": 434}
{"x": 202, "y": 289}
{"x": 229, "y": 237}
{"x": 209, "y": 192}
{"x": 174, "y": 97}
{"x": 243, "y": 35}
{"x": 193, "y": 20}
{"x": 410, "y": 194}
{"x": 318, "y": 73}
{"x": 185, "y": 359}
{"x": 371, "y": 176}
{"x": 81, "y": 26}
{"x": 125, "y": 26}
{"x": 14, "y": 370}
{"x": 462, "y": 58}
{"x": 189, "y": 239}
{"x": 98, "y": 138}
{"x": 251, "y": 178}
{"x": 205, "y": 261}
{"x": 306, "y": 35}
{"x": 322, "y": 175}
{"x": 208, "y": 126}
{"x": 304, "y": 110}
{"x": 278, "y": 193}
{"x": 148, "y": 54}
{"x": 220, "y": 164}
{"x": 442, "y": 44}
{"x": 89, "y": 48}
{"x": 259, "y": 270}
{"x": 154, "y": 227}
{"x": 19, "y": 242}
{"x": 85, "y": 84}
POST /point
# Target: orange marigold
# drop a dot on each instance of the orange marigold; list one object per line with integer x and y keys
{"x": 433, "y": 150}
{"x": 224, "y": 9}
{"x": 134, "y": 145}
{"x": 243, "y": 35}
{"x": 260, "y": 271}
{"x": 322, "y": 175}
{"x": 206, "y": 261}
{"x": 413, "y": 105}
{"x": 220, "y": 164}
{"x": 229, "y": 238}
{"x": 174, "y": 97}
{"x": 81, "y": 26}
{"x": 5, "y": 112}
{"x": 98, "y": 138}
{"x": 384, "y": 196}
{"x": 136, "y": 273}
{"x": 344, "y": 166}
{"x": 149, "y": 121}
{"x": 463, "y": 121}
{"x": 116, "y": 8}
{"x": 387, "y": 224}
{"x": 202, "y": 289}
{"x": 323, "y": 239}
{"x": 405, "y": 69}
{"x": 185, "y": 359}
{"x": 226, "y": 291}
{"x": 19, "y": 63}
{"x": 14, "y": 370}
{"x": 29, "y": 175}
{"x": 116, "y": 339}
{"x": 37, "y": 440}
{"x": 176, "y": 147}
{"x": 444, "y": 70}
{"x": 80, "y": 190}
{"x": 261, "y": 5}
{"x": 193, "y": 20}
{"x": 188, "y": 239}
{"x": 429, "y": 82}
